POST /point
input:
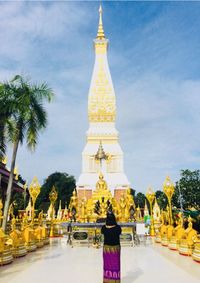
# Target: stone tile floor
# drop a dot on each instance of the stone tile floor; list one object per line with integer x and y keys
{"x": 61, "y": 263}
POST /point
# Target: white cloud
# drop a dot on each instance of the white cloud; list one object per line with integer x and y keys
{"x": 159, "y": 120}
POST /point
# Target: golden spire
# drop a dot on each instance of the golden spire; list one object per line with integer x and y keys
{"x": 100, "y": 33}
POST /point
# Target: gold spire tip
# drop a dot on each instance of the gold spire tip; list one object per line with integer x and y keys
{"x": 100, "y": 33}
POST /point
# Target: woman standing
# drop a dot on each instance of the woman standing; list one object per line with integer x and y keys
{"x": 111, "y": 250}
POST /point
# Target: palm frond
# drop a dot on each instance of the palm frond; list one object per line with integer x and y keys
{"x": 32, "y": 132}
{"x": 43, "y": 92}
{"x": 2, "y": 140}
{"x": 23, "y": 107}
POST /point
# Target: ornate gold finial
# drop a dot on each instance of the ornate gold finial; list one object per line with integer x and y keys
{"x": 53, "y": 195}
{"x": 34, "y": 189}
{"x": 100, "y": 153}
{"x": 100, "y": 33}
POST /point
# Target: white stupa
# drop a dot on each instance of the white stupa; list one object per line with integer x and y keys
{"x": 102, "y": 132}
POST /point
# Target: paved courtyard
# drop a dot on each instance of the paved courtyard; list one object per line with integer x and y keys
{"x": 61, "y": 263}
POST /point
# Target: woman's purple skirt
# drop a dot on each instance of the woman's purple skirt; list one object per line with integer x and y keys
{"x": 111, "y": 264}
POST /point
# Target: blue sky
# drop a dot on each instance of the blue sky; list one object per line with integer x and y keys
{"x": 154, "y": 57}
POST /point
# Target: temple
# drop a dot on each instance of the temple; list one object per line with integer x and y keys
{"x": 102, "y": 152}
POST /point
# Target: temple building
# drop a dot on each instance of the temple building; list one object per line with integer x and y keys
{"x": 102, "y": 152}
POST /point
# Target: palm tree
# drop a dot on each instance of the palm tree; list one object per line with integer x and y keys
{"x": 23, "y": 117}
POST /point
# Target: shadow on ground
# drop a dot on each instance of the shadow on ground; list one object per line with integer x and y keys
{"x": 131, "y": 277}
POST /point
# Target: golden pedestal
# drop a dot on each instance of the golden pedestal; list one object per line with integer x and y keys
{"x": 6, "y": 256}
{"x": 158, "y": 238}
{"x": 46, "y": 241}
{"x": 18, "y": 246}
{"x": 5, "y": 250}
{"x": 31, "y": 246}
{"x": 173, "y": 243}
{"x": 164, "y": 241}
{"x": 38, "y": 237}
{"x": 185, "y": 248}
{"x": 39, "y": 243}
{"x": 196, "y": 252}
{"x": 29, "y": 239}
{"x": 19, "y": 251}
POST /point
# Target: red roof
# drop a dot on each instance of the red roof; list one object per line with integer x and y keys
{"x": 4, "y": 177}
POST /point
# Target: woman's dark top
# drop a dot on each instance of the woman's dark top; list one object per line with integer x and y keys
{"x": 111, "y": 235}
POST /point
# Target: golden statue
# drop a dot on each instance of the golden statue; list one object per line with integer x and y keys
{"x": 103, "y": 208}
{"x": 5, "y": 250}
{"x": 138, "y": 213}
{"x": 101, "y": 184}
{"x": 177, "y": 233}
{"x": 39, "y": 231}
{"x": 73, "y": 201}
{"x": 83, "y": 214}
{"x": 122, "y": 204}
{"x": 28, "y": 234}
{"x": 18, "y": 247}
{"x": 129, "y": 204}
{"x": 188, "y": 239}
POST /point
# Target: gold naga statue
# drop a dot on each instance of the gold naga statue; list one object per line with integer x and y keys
{"x": 39, "y": 231}
{"x": 44, "y": 232}
{"x": 5, "y": 248}
{"x": 177, "y": 233}
{"x": 166, "y": 229}
{"x": 161, "y": 233}
{"x": 28, "y": 234}
{"x": 188, "y": 239}
{"x": 196, "y": 250}
{"x": 18, "y": 247}
{"x": 130, "y": 205}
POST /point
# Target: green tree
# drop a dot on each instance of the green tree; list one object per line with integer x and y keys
{"x": 188, "y": 188}
{"x": 161, "y": 199}
{"x": 64, "y": 183}
{"x": 24, "y": 119}
{"x": 140, "y": 200}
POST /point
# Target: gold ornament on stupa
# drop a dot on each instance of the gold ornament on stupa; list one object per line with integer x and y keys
{"x": 100, "y": 33}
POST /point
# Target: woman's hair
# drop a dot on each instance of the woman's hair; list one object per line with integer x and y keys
{"x": 110, "y": 219}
